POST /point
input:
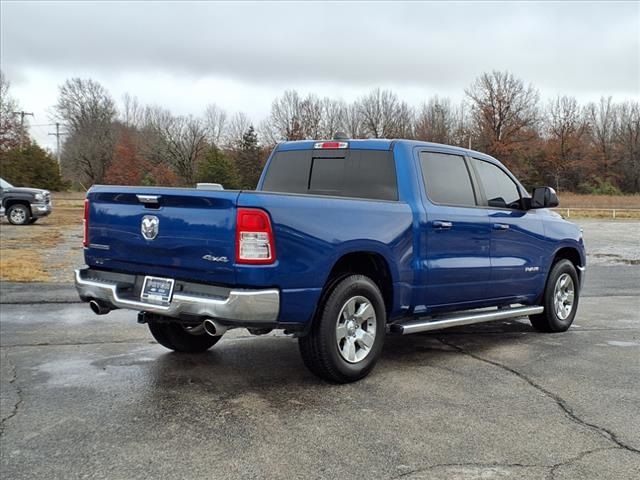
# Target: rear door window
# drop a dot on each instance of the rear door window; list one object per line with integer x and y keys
{"x": 447, "y": 179}
{"x": 369, "y": 174}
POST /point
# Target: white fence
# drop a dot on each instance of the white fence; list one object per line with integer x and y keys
{"x": 634, "y": 212}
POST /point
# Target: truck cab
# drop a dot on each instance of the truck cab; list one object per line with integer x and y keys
{"x": 23, "y": 206}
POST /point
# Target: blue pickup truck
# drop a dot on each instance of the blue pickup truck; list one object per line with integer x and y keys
{"x": 341, "y": 243}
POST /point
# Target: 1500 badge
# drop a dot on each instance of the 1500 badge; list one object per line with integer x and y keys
{"x": 211, "y": 258}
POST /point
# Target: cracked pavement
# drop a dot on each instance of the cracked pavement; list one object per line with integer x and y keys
{"x": 94, "y": 397}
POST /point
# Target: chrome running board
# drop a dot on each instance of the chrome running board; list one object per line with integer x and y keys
{"x": 459, "y": 319}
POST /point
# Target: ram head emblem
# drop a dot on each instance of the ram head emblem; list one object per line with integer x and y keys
{"x": 149, "y": 226}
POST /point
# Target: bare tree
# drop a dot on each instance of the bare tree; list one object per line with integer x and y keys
{"x": 353, "y": 121}
{"x": 237, "y": 127}
{"x": 436, "y": 121}
{"x": 462, "y": 128}
{"x": 9, "y": 123}
{"x": 88, "y": 112}
{"x": 185, "y": 142}
{"x": 285, "y": 118}
{"x": 216, "y": 123}
{"x": 602, "y": 124}
{"x": 311, "y": 116}
{"x": 333, "y": 118}
{"x": 84, "y": 103}
{"x": 133, "y": 112}
{"x": 564, "y": 130}
{"x": 627, "y": 144}
{"x": 384, "y": 115}
{"x": 504, "y": 111}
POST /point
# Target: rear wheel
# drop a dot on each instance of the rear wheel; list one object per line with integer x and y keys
{"x": 179, "y": 338}
{"x": 346, "y": 338}
{"x": 560, "y": 299}
{"x": 18, "y": 214}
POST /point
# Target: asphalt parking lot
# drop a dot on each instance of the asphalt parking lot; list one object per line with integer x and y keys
{"x": 94, "y": 397}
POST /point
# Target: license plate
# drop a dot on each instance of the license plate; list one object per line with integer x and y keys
{"x": 157, "y": 290}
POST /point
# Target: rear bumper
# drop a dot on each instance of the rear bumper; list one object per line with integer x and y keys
{"x": 233, "y": 306}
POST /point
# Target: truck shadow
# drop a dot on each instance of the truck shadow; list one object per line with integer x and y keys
{"x": 273, "y": 363}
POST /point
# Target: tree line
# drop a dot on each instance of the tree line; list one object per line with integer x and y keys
{"x": 590, "y": 148}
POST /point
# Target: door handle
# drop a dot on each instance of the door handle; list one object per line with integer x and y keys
{"x": 442, "y": 225}
{"x": 501, "y": 226}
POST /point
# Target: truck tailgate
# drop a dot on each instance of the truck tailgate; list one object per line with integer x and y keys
{"x": 184, "y": 233}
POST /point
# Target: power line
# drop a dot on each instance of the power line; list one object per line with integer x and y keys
{"x": 41, "y": 124}
{"x": 22, "y": 114}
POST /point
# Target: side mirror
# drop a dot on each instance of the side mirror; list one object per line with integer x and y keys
{"x": 544, "y": 197}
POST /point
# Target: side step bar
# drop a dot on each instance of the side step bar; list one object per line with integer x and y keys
{"x": 459, "y": 319}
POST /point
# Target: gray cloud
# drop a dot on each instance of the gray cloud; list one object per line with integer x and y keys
{"x": 570, "y": 47}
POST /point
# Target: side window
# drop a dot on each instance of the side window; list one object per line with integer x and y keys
{"x": 500, "y": 190}
{"x": 447, "y": 179}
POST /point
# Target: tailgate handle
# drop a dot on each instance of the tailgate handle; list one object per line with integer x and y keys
{"x": 148, "y": 198}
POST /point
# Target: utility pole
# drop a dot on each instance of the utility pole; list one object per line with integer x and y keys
{"x": 57, "y": 134}
{"x": 22, "y": 114}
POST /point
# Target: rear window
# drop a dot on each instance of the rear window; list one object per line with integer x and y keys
{"x": 367, "y": 174}
{"x": 447, "y": 179}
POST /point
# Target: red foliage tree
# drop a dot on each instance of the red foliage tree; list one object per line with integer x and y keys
{"x": 126, "y": 167}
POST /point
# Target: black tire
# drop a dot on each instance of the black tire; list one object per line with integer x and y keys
{"x": 173, "y": 336}
{"x": 551, "y": 320}
{"x": 320, "y": 349}
{"x": 19, "y": 214}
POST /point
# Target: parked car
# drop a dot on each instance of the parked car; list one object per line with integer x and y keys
{"x": 342, "y": 242}
{"x": 23, "y": 206}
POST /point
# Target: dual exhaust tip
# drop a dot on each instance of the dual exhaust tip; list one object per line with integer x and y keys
{"x": 210, "y": 327}
{"x": 213, "y": 328}
{"x": 99, "y": 308}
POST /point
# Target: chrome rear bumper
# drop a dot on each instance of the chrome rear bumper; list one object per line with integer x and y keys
{"x": 238, "y": 306}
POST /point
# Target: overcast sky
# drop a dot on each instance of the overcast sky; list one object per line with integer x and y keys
{"x": 184, "y": 55}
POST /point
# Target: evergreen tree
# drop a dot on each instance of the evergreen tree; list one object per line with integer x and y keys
{"x": 249, "y": 159}
{"x": 31, "y": 167}
{"x": 216, "y": 167}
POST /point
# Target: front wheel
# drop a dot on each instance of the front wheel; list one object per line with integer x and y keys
{"x": 18, "y": 214}
{"x": 560, "y": 299}
{"x": 177, "y": 337}
{"x": 347, "y": 335}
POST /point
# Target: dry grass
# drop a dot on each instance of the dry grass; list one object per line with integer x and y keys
{"x": 574, "y": 200}
{"x": 23, "y": 248}
{"x": 22, "y": 265}
{"x": 67, "y": 199}
{"x": 599, "y": 206}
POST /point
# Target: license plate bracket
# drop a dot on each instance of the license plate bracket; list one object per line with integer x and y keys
{"x": 157, "y": 290}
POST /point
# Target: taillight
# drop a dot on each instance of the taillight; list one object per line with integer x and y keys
{"x": 331, "y": 145}
{"x": 85, "y": 224}
{"x": 254, "y": 237}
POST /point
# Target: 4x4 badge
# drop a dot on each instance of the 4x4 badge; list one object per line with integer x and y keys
{"x": 149, "y": 226}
